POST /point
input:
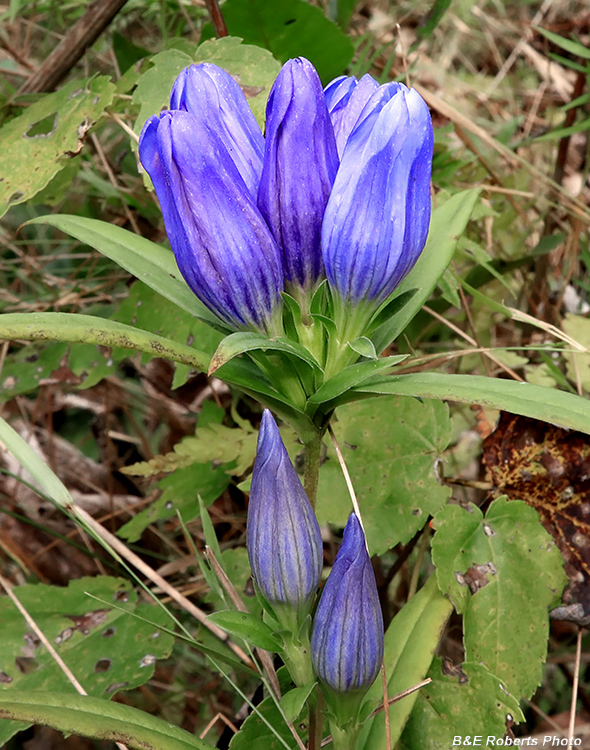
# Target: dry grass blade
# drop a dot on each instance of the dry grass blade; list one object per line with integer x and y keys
{"x": 151, "y": 574}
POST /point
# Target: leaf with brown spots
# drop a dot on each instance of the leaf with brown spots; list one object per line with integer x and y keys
{"x": 549, "y": 468}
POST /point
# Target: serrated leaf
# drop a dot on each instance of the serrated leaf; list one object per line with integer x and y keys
{"x": 35, "y": 146}
{"x": 253, "y": 68}
{"x": 106, "y": 648}
{"x": 179, "y": 495}
{"x": 473, "y": 703}
{"x": 513, "y": 565}
{"x": 214, "y": 442}
{"x": 248, "y": 627}
{"x": 391, "y": 448}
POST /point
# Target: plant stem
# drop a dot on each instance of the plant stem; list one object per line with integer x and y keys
{"x": 316, "y": 703}
{"x": 313, "y": 449}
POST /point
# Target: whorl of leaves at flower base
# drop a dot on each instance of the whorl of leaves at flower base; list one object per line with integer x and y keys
{"x": 283, "y": 536}
{"x": 347, "y": 637}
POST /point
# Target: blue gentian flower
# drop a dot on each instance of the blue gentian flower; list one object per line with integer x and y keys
{"x": 347, "y": 637}
{"x": 300, "y": 164}
{"x": 340, "y": 186}
{"x": 205, "y": 164}
{"x": 376, "y": 221}
{"x": 283, "y": 536}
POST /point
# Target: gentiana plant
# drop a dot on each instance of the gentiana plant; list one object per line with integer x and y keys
{"x": 310, "y": 248}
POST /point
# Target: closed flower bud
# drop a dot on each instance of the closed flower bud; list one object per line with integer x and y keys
{"x": 300, "y": 163}
{"x": 347, "y": 638}
{"x": 208, "y": 92}
{"x": 223, "y": 247}
{"x": 376, "y": 221}
{"x": 283, "y": 536}
{"x": 346, "y": 98}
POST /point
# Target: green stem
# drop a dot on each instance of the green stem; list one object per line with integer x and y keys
{"x": 313, "y": 450}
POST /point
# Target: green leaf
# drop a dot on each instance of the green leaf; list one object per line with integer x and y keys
{"x": 147, "y": 309}
{"x": 246, "y": 341}
{"x": 447, "y": 224}
{"x": 514, "y": 567}
{"x": 293, "y": 702}
{"x": 247, "y": 626}
{"x": 391, "y": 448}
{"x": 89, "y": 329}
{"x": 471, "y": 703}
{"x": 253, "y": 68}
{"x": 547, "y": 404}
{"x": 97, "y": 718}
{"x": 107, "y": 649}
{"x": 35, "y": 465}
{"x": 256, "y": 734}
{"x": 154, "y": 265}
{"x": 35, "y": 146}
{"x": 289, "y": 29}
{"x": 363, "y": 346}
{"x": 410, "y": 643}
{"x": 569, "y": 45}
{"x": 578, "y": 363}
{"x": 179, "y": 492}
{"x": 353, "y": 376}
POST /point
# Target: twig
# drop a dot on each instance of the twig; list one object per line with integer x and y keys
{"x": 82, "y": 35}
{"x": 385, "y": 703}
{"x": 230, "y": 590}
{"x": 148, "y": 572}
{"x": 572, "y": 726}
{"x": 347, "y": 479}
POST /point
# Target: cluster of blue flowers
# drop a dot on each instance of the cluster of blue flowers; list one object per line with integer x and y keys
{"x": 285, "y": 551}
{"x": 339, "y": 188}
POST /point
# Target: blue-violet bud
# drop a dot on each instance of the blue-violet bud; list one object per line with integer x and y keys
{"x": 223, "y": 247}
{"x": 347, "y": 638}
{"x": 376, "y": 221}
{"x": 210, "y": 93}
{"x": 283, "y": 536}
{"x": 300, "y": 163}
{"x": 346, "y": 99}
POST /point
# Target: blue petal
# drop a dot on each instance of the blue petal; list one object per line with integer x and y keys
{"x": 300, "y": 163}
{"x": 347, "y": 639}
{"x": 283, "y": 536}
{"x": 212, "y": 96}
{"x": 222, "y": 245}
{"x": 377, "y": 217}
{"x": 346, "y": 98}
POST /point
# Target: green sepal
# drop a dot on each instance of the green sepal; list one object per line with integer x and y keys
{"x": 364, "y": 347}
